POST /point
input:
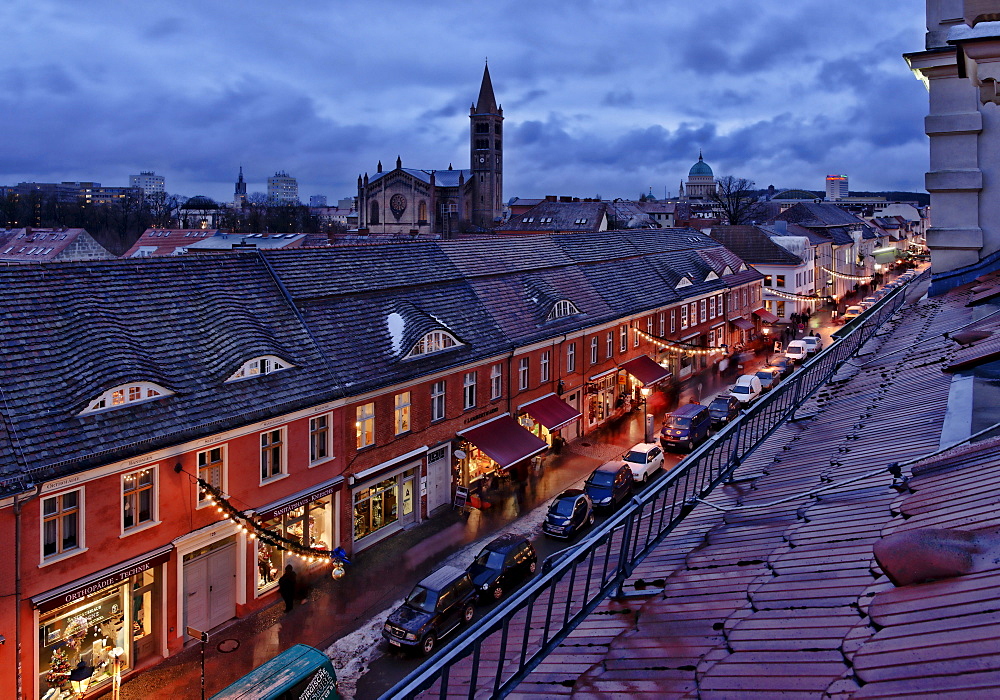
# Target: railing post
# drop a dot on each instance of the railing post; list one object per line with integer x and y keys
{"x": 623, "y": 568}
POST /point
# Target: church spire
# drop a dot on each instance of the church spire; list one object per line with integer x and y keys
{"x": 487, "y": 102}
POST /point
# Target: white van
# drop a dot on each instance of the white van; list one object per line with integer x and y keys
{"x": 796, "y": 350}
{"x": 747, "y": 388}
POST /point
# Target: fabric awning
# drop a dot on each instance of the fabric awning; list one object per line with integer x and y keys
{"x": 504, "y": 441}
{"x": 765, "y": 315}
{"x": 646, "y": 370}
{"x": 743, "y": 324}
{"x": 551, "y": 411}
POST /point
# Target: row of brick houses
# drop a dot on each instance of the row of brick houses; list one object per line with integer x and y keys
{"x": 335, "y": 396}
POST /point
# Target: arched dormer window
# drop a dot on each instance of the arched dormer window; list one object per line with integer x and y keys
{"x": 435, "y": 341}
{"x": 264, "y": 364}
{"x": 132, "y": 393}
{"x": 563, "y": 307}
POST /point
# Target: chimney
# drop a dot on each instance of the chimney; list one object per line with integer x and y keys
{"x": 550, "y": 198}
{"x": 781, "y": 226}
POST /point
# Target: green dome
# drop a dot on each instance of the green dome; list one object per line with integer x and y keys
{"x": 700, "y": 168}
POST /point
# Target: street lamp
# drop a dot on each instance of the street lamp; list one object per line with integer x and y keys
{"x": 79, "y": 678}
{"x": 116, "y": 677}
{"x": 767, "y": 345}
{"x": 647, "y": 420}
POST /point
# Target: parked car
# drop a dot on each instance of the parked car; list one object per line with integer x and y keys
{"x": 644, "y": 459}
{"x": 813, "y": 343}
{"x": 747, "y": 388}
{"x": 783, "y": 365}
{"x": 570, "y": 513}
{"x": 503, "y": 564}
{"x": 868, "y": 302}
{"x": 769, "y": 377}
{"x": 610, "y": 484}
{"x": 686, "y": 427}
{"x": 435, "y": 607}
{"x": 724, "y": 409}
{"x": 852, "y": 313}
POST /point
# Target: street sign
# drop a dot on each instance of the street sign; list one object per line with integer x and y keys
{"x": 197, "y": 634}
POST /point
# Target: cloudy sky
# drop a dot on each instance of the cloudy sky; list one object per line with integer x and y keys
{"x": 601, "y": 97}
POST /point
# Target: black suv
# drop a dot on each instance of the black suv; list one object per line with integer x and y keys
{"x": 723, "y": 409}
{"x": 609, "y": 484}
{"x": 503, "y": 563}
{"x": 436, "y": 606}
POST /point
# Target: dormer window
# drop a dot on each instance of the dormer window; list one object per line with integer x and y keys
{"x": 435, "y": 341}
{"x": 580, "y": 222}
{"x": 116, "y": 397}
{"x": 711, "y": 276}
{"x": 258, "y": 366}
{"x": 563, "y": 307}
{"x": 528, "y": 219}
{"x": 684, "y": 282}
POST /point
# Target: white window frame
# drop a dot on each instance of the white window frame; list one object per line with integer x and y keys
{"x": 593, "y": 350}
{"x": 276, "y": 445}
{"x": 259, "y": 366}
{"x": 125, "y": 395}
{"x": 543, "y": 367}
{"x": 81, "y": 545}
{"x": 223, "y": 485}
{"x": 610, "y": 345}
{"x": 496, "y": 381}
{"x": 623, "y": 338}
{"x": 571, "y": 357}
{"x": 711, "y": 307}
{"x": 523, "y": 373}
{"x": 703, "y": 308}
{"x": 364, "y": 425}
{"x": 649, "y": 326}
{"x": 673, "y": 322}
{"x": 154, "y": 507}
{"x": 402, "y": 413}
{"x": 439, "y": 406}
{"x": 469, "y": 390}
{"x": 326, "y": 430}
{"x": 434, "y": 342}
{"x": 684, "y": 317}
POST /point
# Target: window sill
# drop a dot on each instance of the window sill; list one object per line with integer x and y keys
{"x": 272, "y": 479}
{"x": 61, "y": 557}
{"x": 139, "y": 528}
{"x": 321, "y": 462}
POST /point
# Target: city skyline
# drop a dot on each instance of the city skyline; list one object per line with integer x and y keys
{"x": 607, "y": 99}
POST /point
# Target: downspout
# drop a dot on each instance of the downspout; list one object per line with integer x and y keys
{"x": 18, "y": 504}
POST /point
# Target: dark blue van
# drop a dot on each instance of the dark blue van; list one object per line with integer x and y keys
{"x": 686, "y": 427}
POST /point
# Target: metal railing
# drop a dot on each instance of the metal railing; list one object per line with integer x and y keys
{"x": 513, "y": 638}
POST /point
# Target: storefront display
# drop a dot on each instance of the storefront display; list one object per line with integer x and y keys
{"x": 602, "y": 395}
{"x": 308, "y": 523}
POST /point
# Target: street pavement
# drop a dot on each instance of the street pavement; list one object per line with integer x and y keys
{"x": 344, "y": 616}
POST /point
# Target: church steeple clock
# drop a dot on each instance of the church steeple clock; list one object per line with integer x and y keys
{"x": 486, "y": 135}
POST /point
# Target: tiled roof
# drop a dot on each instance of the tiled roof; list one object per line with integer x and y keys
{"x": 559, "y": 216}
{"x": 42, "y": 244}
{"x": 159, "y": 242}
{"x": 447, "y": 177}
{"x": 779, "y": 595}
{"x": 753, "y": 245}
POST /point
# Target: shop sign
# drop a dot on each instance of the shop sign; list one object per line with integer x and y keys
{"x": 297, "y": 502}
{"x": 66, "y": 595}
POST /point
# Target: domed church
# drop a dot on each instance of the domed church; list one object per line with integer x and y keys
{"x": 700, "y": 183}
{"x": 442, "y": 202}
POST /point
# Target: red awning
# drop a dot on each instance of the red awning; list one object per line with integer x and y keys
{"x": 504, "y": 441}
{"x": 743, "y": 324}
{"x": 551, "y": 411}
{"x": 646, "y": 370}
{"x": 765, "y": 315}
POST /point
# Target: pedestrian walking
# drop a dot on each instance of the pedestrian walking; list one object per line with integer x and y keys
{"x": 287, "y": 586}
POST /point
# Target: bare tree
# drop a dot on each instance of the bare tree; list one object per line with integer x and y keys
{"x": 737, "y": 199}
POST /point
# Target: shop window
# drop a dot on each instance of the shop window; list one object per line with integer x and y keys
{"x": 437, "y": 400}
{"x": 138, "y": 498}
{"x": 211, "y": 469}
{"x": 309, "y": 525}
{"x": 543, "y": 367}
{"x": 365, "y": 425}
{"x": 272, "y": 463}
{"x": 593, "y": 350}
{"x": 319, "y": 438}
{"x": 781, "y": 309}
{"x": 571, "y": 357}
{"x": 496, "y": 381}
{"x": 522, "y": 373}
{"x": 376, "y": 507}
{"x": 62, "y": 521}
{"x": 402, "y": 413}
{"x": 469, "y": 390}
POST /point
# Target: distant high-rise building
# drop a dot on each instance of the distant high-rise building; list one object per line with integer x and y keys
{"x": 317, "y": 200}
{"x": 149, "y": 181}
{"x": 240, "y": 195}
{"x": 836, "y": 187}
{"x": 282, "y": 188}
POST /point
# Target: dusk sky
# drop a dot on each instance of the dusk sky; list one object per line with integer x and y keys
{"x": 608, "y": 97}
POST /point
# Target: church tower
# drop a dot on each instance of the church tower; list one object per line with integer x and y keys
{"x": 486, "y": 134}
{"x": 240, "y": 196}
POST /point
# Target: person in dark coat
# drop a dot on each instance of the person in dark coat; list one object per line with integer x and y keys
{"x": 287, "y": 586}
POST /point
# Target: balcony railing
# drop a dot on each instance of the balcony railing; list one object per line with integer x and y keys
{"x": 513, "y": 638}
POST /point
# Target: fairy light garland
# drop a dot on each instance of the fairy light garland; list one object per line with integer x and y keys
{"x": 255, "y": 530}
{"x": 846, "y": 277}
{"x": 793, "y": 296}
{"x": 677, "y": 345}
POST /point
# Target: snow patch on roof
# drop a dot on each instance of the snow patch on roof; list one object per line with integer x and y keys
{"x": 395, "y": 324}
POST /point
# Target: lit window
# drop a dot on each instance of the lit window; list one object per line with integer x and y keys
{"x": 138, "y": 498}
{"x": 211, "y": 469}
{"x": 265, "y": 364}
{"x": 61, "y": 523}
{"x": 684, "y": 317}
{"x": 402, "y": 413}
{"x": 435, "y": 341}
{"x": 125, "y": 394}
{"x": 365, "y": 425}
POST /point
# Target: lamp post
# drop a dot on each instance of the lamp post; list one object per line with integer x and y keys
{"x": 647, "y": 419}
{"x": 116, "y": 677}
{"x": 767, "y": 345}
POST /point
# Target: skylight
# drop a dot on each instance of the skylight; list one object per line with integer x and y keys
{"x": 265, "y": 364}
{"x": 435, "y": 341}
{"x": 126, "y": 394}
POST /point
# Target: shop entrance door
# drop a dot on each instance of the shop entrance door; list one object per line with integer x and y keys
{"x": 571, "y": 431}
{"x": 438, "y": 478}
{"x": 210, "y": 588}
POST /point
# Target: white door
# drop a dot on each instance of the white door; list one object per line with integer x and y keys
{"x": 438, "y": 478}
{"x": 571, "y": 431}
{"x": 196, "y": 594}
{"x": 210, "y": 589}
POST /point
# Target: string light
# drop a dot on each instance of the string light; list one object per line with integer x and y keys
{"x": 679, "y": 346}
{"x": 846, "y": 277}
{"x": 795, "y": 297}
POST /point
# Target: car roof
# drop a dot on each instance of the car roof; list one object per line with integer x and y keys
{"x": 569, "y": 493}
{"x": 746, "y": 378}
{"x": 441, "y": 578}
{"x": 613, "y": 466}
{"x": 506, "y": 542}
{"x": 687, "y": 410}
{"x": 644, "y": 447}
{"x": 725, "y": 397}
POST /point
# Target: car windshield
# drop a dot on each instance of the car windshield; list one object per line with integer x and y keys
{"x": 562, "y": 506}
{"x": 741, "y": 389}
{"x": 601, "y": 478}
{"x": 719, "y": 405}
{"x": 634, "y": 456}
{"x": 678, "y": 422}
{"x": 490, "y": 560}
{"x": 766, "y": 376}
{"x": 422, "y": 599}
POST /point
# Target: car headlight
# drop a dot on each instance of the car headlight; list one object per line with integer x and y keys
{"x": 485, "y": 586}
{"x": 411, "y": 636}
{"x": 387, "y": 628}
